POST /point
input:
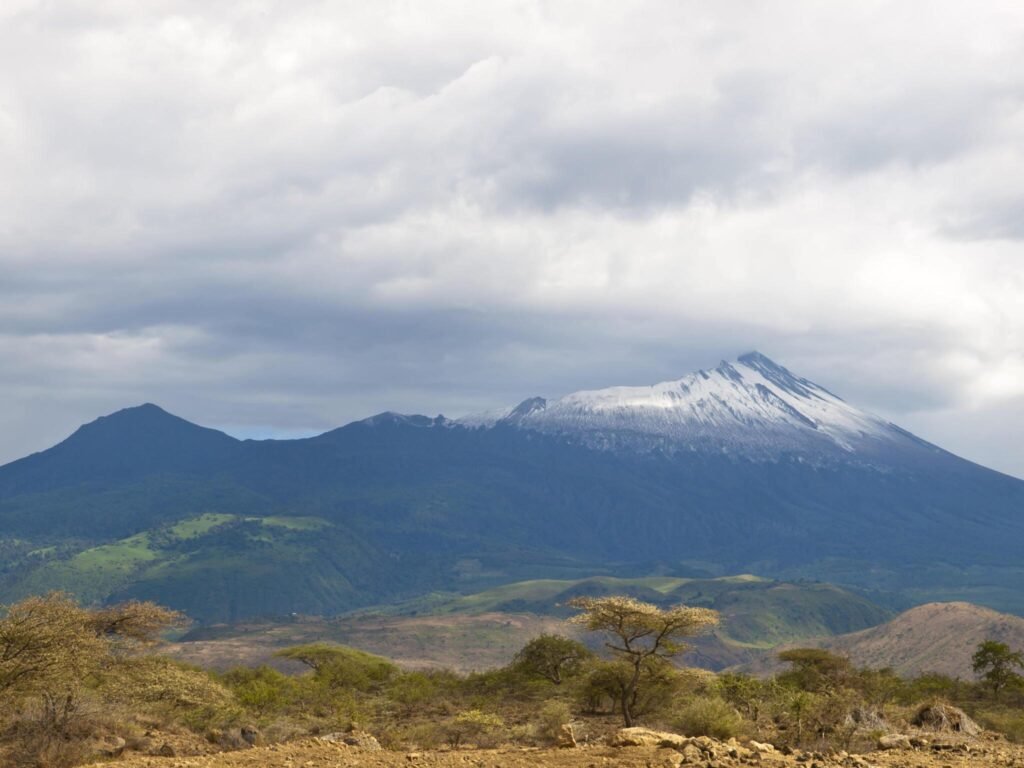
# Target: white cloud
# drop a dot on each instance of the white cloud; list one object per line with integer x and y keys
{"x": 292, "y": 213}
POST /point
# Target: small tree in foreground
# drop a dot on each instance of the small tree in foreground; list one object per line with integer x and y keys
{"x": 816, "y": 670}
{"x": 54, "y": 654}
{"x": 50, "y": 644}
{"x": 995, "y": 662}
{"x": 640, "y": 632}
{"x": 552, "y": 657}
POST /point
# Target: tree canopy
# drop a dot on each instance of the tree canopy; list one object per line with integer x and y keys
{"x": 552, "y": 657}
{"x": 995, "y": 663}
{"x": 640, "y": 633}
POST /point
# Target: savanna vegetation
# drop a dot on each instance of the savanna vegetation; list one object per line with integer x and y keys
{"x": 78, "y": 682}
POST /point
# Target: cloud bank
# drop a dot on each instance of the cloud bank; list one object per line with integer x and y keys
{"x": 276, "y": 217}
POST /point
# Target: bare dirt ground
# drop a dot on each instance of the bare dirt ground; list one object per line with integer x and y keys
{"x": 460, "y": 642}
{"x": 985, "y": 751}
{"x": 463, "y": 643}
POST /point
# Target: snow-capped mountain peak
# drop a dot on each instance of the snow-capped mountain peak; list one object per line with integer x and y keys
{"x": 751, "y": 406}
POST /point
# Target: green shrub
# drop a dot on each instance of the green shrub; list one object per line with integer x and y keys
{"x": 752, "y": 696}
{"x": 931, "y": 686}
{"x": 550, "y": 719}
{"x": 1009, "y": 722}
{"x": 413, "y": 690}
{"x": 605, "y": 682}
{"x": 162, "y": 684}
{"x": 429, "y": 735}
{"x": 262, "y": 690}
{"x": 341, "y": 667}
{"x": 473, "y": 725}
{"x": 709, "y": 716}
{"x": 553, "y": 658}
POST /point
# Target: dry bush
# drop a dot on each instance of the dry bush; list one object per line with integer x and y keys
{"x": 46, "y": 644}
{"x": 939, "y": 716}
{"x": 550, "y": 720}
{"x": 428, "y": 735}
{"x": 484, "y": 729}
{"x": 162, "y": 680}
{"x": 51, "y": 732}
{"x": 710, "y": 716}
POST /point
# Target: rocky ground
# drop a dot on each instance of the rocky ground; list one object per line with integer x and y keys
{"x": 644, "y": 751}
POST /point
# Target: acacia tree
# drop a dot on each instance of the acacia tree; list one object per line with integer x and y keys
{"x": 46, "y": 643}
{"x": 995, "y": 662}
{"x": 640, "y": 633}
{"x": 816, "y": 670}
{"x": 49, "y": 645}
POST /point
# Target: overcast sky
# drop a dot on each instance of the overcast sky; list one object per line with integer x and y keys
{"x": 277, "y": 217}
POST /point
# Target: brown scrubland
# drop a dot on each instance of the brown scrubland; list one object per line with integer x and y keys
{"x": 83, "y": 686}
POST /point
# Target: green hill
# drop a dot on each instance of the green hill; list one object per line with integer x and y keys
{"x": 756, "y": 612}
{"x": 221, "y": 567}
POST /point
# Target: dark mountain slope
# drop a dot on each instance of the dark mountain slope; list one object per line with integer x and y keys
{"x": 708, "y": 473}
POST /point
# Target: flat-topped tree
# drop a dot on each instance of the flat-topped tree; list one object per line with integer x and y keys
{"x": 640, "y": 632}
{"x": 995, "y": 663}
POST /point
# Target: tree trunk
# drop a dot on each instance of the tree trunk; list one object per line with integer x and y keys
{"x": 628, "y": 693}
{"x": 627, "y": 715}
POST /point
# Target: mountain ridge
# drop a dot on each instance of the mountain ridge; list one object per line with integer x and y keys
{"x": 415, "y": 503}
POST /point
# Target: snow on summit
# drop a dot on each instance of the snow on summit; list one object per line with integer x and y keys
{"x": 752, "y": 407}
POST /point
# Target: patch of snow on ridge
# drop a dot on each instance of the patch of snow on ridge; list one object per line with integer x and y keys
{"x": 751, "y": 405}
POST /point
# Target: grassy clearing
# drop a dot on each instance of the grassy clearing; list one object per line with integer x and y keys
{"x": 120, "y": 557}
{"x": 197, "y": 526}
{"x": 293, "y": 523}
{"x": 93, "y": 574}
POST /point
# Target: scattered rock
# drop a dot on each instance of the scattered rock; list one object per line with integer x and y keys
{"x": 712, "y": 749}
{"x": 694, "y": 753}
{"x": 645, "y": 737}
{"x": 140, "y": 744}
{"x": 363, "y": 740}
{"x": 332, "y": 738}
{"x": 691, "y": 754}
{"x": 110, "y": 746}
{"x": 894, "y": 741}
{"x": 566, "y": 738}
{"x": 166, "y": 750}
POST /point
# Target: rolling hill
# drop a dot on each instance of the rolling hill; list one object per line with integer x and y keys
{"x": 756, "y": 612}
{"x": 936, "y": 637}
{"x": 932, "y": 638}
{"x": 485, "y": 629}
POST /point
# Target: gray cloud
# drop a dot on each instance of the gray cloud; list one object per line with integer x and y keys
{"x": 283, "y": 216}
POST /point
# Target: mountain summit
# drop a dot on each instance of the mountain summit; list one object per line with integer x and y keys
{"x": 743, "y": 468}
{"x": 751, "y": 407}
